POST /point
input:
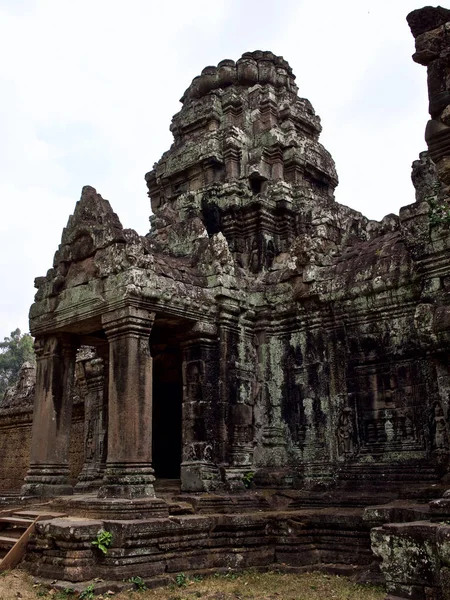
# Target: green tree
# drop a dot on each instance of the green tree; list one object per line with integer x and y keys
{"x": 14, "y": 351}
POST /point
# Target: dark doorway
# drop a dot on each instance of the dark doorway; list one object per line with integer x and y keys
{"x": 167, "y": 400}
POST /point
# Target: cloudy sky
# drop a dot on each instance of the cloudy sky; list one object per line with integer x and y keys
{"x": 88, "y": 89}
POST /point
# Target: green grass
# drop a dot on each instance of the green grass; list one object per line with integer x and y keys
{"x": 230, "y": 586}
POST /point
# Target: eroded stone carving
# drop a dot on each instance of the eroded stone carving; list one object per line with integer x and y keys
{"x": 22, "y": 392}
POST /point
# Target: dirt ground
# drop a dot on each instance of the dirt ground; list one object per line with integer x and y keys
{"x": 247, "y": 586}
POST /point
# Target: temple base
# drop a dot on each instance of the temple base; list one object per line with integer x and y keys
{"x": 121, "y": 509}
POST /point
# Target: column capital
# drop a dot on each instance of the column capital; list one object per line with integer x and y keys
{"x": 200, "y": 331}
{"x": 94, "y": 369}
{"x": 128, "y": 320}
{"x": 51, "y": 345}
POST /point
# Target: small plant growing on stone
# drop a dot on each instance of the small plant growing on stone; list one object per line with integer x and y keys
{"x": 440, "y": 212}
{"x": 248, "y": 478}
{"x": 103, "y": 541}
{"x": 88, "y": 593}
{"x": 181, "y": 580}
{"x": 65, "y": 594}
{"x": 138, "y": 583}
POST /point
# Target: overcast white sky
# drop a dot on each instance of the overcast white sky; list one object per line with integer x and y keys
{"x": 88, "y": 89}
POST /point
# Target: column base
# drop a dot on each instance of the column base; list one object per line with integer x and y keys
{"x": 237, "y": 478}
{"x": 127, "y": 480}
{"x": 47, "y": 481}
{"x": 199, "y": 477}
{"x": 87, "y": 486}
{"x": 89, "y": 480}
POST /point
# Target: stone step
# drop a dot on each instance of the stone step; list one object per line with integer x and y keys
{"x": 18, "y": 521}
{"x": 42, "y": 514}
{"x": 180, "y": 508}
{"x": 8, "y": 540}
{"x": 14, "y": 532}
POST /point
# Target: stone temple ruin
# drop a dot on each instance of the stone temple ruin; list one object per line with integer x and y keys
{"x": 278, "y": 357}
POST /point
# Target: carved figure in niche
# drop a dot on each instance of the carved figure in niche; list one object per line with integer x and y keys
{"x": 345, "y": 431}
{"x": 409, "y": 428}
{"x": 389, "y": 428}
{"x": 102, "y": 446}
{"x": 90, "y": 442}
{"x": 440, "y": 428}
{"x": 199, "y": 451}
{"x": 258, "y": 381}
{"x": 194, "y": 382}
{"x": 254, "y": 257}
{"x": 241, "y": 250}
{"x": 270, "y": 254}
{"x": 401, "y": 424}
{"x": 308, "y": 404}
{"x": 299, "y": 431}
{"x": 191, "y": 453}
{"x": 208, "y": 453}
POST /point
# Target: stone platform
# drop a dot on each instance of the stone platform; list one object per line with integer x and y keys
{"x": 153, "y": 548}
{"x": 207, "y": 533}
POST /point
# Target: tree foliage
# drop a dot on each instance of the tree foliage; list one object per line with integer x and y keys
{"x": 14, "y": 351}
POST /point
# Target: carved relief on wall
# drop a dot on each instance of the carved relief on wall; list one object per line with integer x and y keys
{"x": 198, "y": 452}
{"x": 439, "y": 428}
{"x": 194, "y": 381}
{"x": 345, "y": 432}
{"x": 389, "y": 405}
{"x": 293, "y": 411}
{"x": 255, "y": 256}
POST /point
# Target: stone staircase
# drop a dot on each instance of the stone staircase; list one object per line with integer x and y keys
{"x": 15, "y": 531}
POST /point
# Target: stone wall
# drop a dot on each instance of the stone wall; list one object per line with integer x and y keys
{"x": 15, "y": 444}
{"x": 16, "y": 420}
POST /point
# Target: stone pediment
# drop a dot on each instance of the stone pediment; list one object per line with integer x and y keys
{"x": 93, "y": 226}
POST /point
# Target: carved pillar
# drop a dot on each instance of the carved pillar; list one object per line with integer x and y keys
{"x": 232, "y": 158}
{"x": 275, "y": 155}
{"x": 429, "y": 27}
{"x": 199, "y": 470}
{"x": 129, "y": 472}
{"x": 241, "y": 416}
{"x": 48, "y": 474}
{"x": 95, "y": 425}
{"x": 272, "y": 349}
{"x": 233, "y": 414}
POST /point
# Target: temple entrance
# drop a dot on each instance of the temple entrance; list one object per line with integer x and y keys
{"x": 167, "y": 403}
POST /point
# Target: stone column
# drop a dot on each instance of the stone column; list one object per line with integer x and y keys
{"x": 48, "y": 474}
{"x": 129, "y": 472}
{"x": 230, "y": 433}
{"x": 95, "y": 424}
{"x": 199, "y": 471}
